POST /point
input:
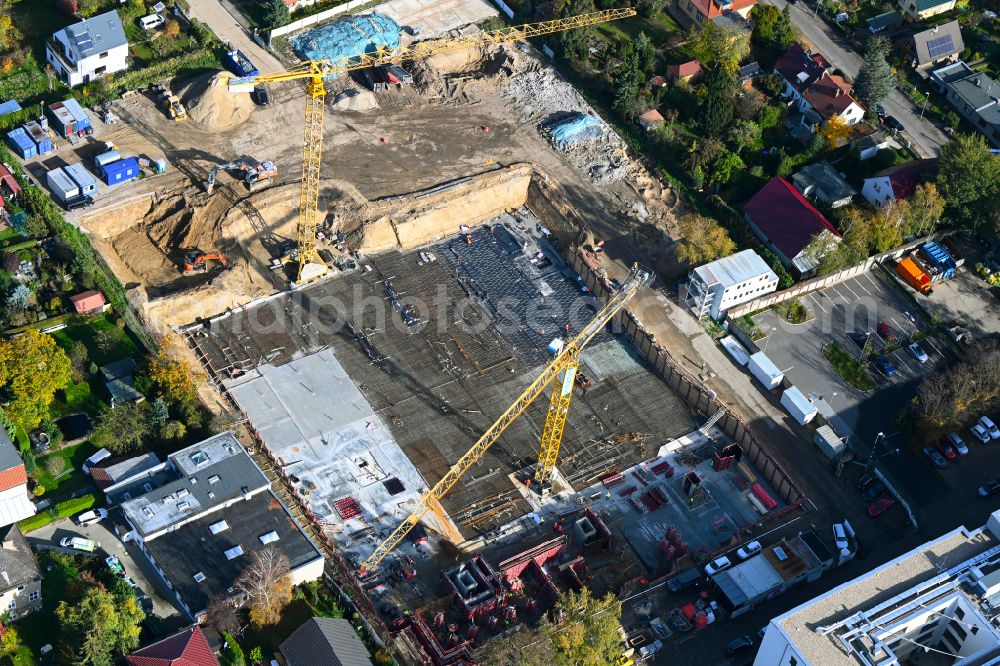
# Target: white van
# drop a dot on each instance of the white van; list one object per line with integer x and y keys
{"x": 79, "y": 543}
{"x": 152, "y": 21}
{"x": 91, "y": 517}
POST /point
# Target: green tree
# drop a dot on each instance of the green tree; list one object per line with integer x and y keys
{"x": 723, "y": 45}
{"x": 628, "y": 86}
{"x": 702, "y": 240}
{"x": 969, "y": 180}
{"x": 98, "y": 627}
{"x": 574, "y": 43}
{"x": 924, "y": 209}
{"x": 772, "y": 33}
{"x": 32, "y": 368}
{"x": 276, "y": 13}
{"x": 158, "y": 413}
{"x": 19, "y": 299}
{"x": 875, "y": 80}
{"x": 121, "y": 429}
{"x": 723, "y": 169}
{"x": 589, "y": 634}
{"x": 716, "y": 113}
{"x": 649, "y": 8}
{"x": 646, "y": 53}
{"x": 745, "y": 134}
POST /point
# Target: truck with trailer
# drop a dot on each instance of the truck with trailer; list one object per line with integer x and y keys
{"x": 908, "y": 269}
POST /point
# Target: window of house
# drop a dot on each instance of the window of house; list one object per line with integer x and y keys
{"x": 959, "y": 614}
{"x": 103, "y": 55}
{"x": 958, "y": 629}
{"x": 34, "y": 595}
{"x": 12, "y": 605}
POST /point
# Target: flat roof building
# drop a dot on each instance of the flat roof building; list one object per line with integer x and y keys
{"x": 725, "y": 283}
{"x": 938, "y": 599}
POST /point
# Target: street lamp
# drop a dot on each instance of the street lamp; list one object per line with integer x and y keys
{"x": 878, "y": 438}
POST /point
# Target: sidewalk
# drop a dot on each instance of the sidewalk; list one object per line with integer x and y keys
{"x": 228, "y": 29}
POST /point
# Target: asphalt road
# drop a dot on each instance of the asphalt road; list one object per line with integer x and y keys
{"x": 925, "y": 136}
{"x": 229, "y": 30}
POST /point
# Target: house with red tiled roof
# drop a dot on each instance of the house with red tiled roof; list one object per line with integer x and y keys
{"x": 15, "y": 501}
{"x": 898, "y": 182}
{"x": 649, "y": 120}
{"x": 819, "y": 94}
{"x": 88, "y": 301}
{"x": 689, "y": 71}
{"x": 786, "y": 223}
{"x": 185, "y": 648}
{"x": 9, "y": 187}
{"x": 696, "y": 12}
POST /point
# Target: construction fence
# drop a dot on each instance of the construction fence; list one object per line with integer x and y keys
{"x": 307, "y": 21}
{"x": 817, "y": 284}
{"x": 689, "y": 388}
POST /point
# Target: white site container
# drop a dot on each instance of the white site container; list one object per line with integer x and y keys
{"x": 735, "y": 349}
{"x": 829, "y": 442}
{"x": 798, "y": 405}
{"x": 62, "y": 187}
{"x": 765, "y": 371}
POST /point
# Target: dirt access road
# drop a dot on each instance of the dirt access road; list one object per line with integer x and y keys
{"x": 230, "y": 31}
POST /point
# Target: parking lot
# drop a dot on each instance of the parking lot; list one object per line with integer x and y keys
{"x": 855, "y": 308}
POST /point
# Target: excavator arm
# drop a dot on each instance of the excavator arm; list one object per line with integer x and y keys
{"x": 569, "y": 356}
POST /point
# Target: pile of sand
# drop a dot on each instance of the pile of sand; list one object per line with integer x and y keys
{"x": 355, "y": 100}
{"x": 210, "y": 103}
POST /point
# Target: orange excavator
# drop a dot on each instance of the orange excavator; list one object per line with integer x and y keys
{"x": 197, "y": 262}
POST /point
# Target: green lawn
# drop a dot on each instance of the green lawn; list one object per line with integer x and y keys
{"x": 72, "y": 458}
{"x": 658, "y": 29}
{"x": 87, "y": 332}
{"x": 42, "y": 628}
{"x": 8, "y": 235}
{"x": 845, "y": 365}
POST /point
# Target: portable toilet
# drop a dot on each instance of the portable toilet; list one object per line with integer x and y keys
{"x": 21, "y": 143}
{"x": 62, "y": 186}
{"x": 120, "y": 171}
{"x": 79, "y": 175}
{"x": 62, "y": 120}
{"x": 80, "y": 117}
{"x": 41, "y": 138}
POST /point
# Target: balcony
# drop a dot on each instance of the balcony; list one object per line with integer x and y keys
{"x": 59, "y": 49}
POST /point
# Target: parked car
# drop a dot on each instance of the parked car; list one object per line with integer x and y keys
{"x": 866, "y": 480}
{"x": 957, "y": 442}
{"x": 880, "y": 506}
{"x": 893, "y": 124}
{"x": 990, "y": 427}
{"x": 989, "y": 488}
{"x": 840, "y": 536}
{"x": 886, "y": 332}
{"x": 79, "y": 543}
{"x": 684, "y": 579}
{"x": 935, "y": 457}
{"x": 261, "y": 96}
{"x": 918, "y": 352}
{"x": 945, "y": 448}
{"x": 717, "y": 565}
{"x": 884, "y": 365}
{"x": 874, "y": 491}
{"x": 91, "y": 517}
{"x": 748, "y": 550}
{"x": 739, "y": 645}
{"x": 117, "y": 568}
{"x": 980, "y": 433}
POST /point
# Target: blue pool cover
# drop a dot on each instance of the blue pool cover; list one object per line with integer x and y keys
{"x": 348, "y": 37}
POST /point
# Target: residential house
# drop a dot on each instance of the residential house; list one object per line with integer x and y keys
{"x": 327, "y": 641}
{"x": 868, "y": 146}
{"x": 937, "y": 47}
{"x": 897, "y": 182}
{"x": 110, "y": 471}
{"x": 15, "y": 500}
{"x": 20, "y": 578}
{"x": 88, "y": 301}
{"x": 696, "y": 12}
{"x": 885, "y": 23}
{"x": 974, "y": 94}
{"x": 722, "y": 284}
{"x": 9, "y": 187}
{"x": 188, "y": 647}
{"x": 688, "y": 72}
{"x": 786, "y": 223}
{"x": 749, "y": 73}
{"x": 825, "y": 184}
{"x": 819, "y": 95}
{"x": 88, "y": 50}
{"x": 119, "y": 379}
{"x": 200, "y": 516}
{"x": 649, "y": 120}
{"x": 922, "y": 9}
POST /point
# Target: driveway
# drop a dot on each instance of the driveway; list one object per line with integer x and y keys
{"x": 136, "y": 565}
{"x": 229, "y": 30}
{"x": 925, "y": 136}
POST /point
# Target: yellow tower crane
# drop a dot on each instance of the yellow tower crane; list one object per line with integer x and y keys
{"x": 310, "y": 265}
{"x": 560, "y": 374}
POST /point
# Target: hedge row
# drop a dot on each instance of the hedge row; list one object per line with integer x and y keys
{"x": 65, "y": 509}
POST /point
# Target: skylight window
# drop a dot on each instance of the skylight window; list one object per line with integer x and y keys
{"x": 148, "y": 511}
{"x": 234, "y": 552}
{"x": 220, "y": 526}
{"x": 214, "y": 479}
{"x": 199, "y": 458}
{"x": 270, "y": 537}
{"x": 199, "y": 577}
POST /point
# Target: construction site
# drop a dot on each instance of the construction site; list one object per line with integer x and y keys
{"x": 460, "y": 220}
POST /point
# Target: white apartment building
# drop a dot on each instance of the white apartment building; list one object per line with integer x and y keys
{"x": 936, "y": 604}
{"x": 725, "y": 283}
{"x": 89, "y": 49}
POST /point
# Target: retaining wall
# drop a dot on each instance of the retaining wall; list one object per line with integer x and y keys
{"x": 314, "y": 19}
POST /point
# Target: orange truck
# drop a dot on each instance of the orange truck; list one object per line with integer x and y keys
{"x": 914, "y": 276}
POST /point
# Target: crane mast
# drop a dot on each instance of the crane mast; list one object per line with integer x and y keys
{"x": 310, "y": 265}
{"x": 565, "y": 363}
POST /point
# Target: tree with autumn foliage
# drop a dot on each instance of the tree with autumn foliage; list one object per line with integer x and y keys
{"x": 835, "y": 131}
{"x": 32, "y": 368}
{"x": 702, "y": 240}
{"x": 267, "y": 583}
{"x": 174, "y": 380}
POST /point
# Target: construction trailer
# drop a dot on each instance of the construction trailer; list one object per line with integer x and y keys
{"x": 83, "y": 178}
{"x": 798, "y": 405}
{"x": 8, "y": 107}
{"x": 62, "y": 186}
{"x": 40, "y": 136}
{"x": 69, "y": 118}
{"x": 106, "y": 157}
{"x": 766, "y": 372}
{"x": 21, "y": 143}
{"x": 829, "y": 442}
{"x": 121, "y": 171}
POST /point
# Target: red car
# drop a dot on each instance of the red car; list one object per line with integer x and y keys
{"x": 880, "y": 506}
{"x": 886, "y": 332}
{"x": 946, "y": 449}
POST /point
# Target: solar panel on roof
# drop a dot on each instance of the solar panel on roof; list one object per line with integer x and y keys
{"x": 83, "y": 40}
{"x": 939, "y": 46}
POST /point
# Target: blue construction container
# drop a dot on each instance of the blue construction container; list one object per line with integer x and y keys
{"x": 41, "y": 138}
{"x": 240, "y": 65}
{"x": 940, "y": 258}
{"x": 120, "y": 171}
{"x": 78, "y": 113}
{"x": 79, "y": 175}
{"x": 21, "y": 143}
{"x": 9, "y": 107}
